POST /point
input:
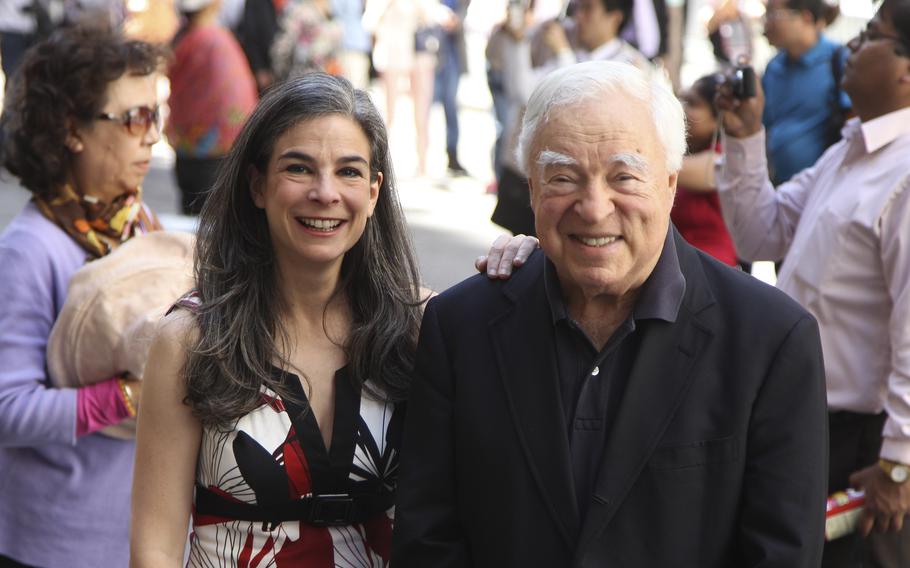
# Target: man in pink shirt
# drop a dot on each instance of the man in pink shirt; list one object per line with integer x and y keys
{"x": 843, "y": 225}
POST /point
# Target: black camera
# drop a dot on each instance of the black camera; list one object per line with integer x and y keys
{"x": 741, "y": 80}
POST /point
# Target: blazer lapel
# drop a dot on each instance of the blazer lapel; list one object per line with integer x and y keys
{"x": 524, "y": 343}
{"x": 660, "y": 379}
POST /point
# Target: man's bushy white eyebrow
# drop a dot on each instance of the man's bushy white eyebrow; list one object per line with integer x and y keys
{"x": 550, "y": 158}
{"x": 635, "y": 161}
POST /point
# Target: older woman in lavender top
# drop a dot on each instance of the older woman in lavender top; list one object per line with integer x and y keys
{"x": 80, "y": 120}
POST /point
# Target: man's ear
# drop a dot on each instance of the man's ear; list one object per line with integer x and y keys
{"x": 533, "y": 190}
{"x": 905, "y": 73}
{"x": 671, "y": 184}
{"x": 256, "y": 182}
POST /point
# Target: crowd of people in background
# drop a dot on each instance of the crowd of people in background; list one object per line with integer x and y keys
{"x": 802, "y": 162}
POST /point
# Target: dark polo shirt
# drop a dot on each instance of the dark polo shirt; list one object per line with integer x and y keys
{"x": 592, "y": 382}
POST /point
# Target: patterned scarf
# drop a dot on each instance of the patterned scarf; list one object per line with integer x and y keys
{"x": 99, "y": 227}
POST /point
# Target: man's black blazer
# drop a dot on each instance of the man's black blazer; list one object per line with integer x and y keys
{"x": 717, "y": 456}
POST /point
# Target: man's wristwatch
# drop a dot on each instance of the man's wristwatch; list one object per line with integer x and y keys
{"x": 898, "y": 472}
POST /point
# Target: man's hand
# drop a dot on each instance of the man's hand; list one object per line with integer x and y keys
{"x": 742, "y": 117}
{"x": 506, "y": 252}
{"x": 886, "y": 502}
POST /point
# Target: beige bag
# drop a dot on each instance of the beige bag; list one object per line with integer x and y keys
{"x": 112, "y": 309}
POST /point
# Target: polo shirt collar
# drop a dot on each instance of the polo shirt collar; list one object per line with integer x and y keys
{"x": 661, "y": 294}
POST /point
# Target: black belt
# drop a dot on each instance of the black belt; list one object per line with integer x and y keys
{"x": 317, "y": 510}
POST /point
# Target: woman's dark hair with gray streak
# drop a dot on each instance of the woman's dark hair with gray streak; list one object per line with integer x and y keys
{"x": 241, "y": 335}
{"x": 61, "y": 81}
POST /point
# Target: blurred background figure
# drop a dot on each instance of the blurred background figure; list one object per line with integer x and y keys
{"x": 308, "y": 39}
{"x": 81, "y": 118}
{"x": 18, "y": 28}
{"x": 404, "y": 53}
{"x": 519, "y": 18}
{"x": 510, "y": 41}
{"x": 451, "y": 64}
{"x": 730, "y": 33}
{"x": 152, "y": 21}
{"x": 212, "y": 94}
{"x": 356, "y": 42}
{"x": 696, "y": 209}
{"x": 256, "y": 32}
{"x": 805, "y": 106}
{"x": 648, "y": 28}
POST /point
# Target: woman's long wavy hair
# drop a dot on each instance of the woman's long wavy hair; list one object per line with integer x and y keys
{"x": 241, "y": 335}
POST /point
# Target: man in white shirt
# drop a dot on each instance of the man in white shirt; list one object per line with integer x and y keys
{"x": 844, "y": 226}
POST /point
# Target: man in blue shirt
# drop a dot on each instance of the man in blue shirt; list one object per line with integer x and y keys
{"x": 804, "y": 104}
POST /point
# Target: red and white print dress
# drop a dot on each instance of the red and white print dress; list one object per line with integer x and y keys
{"x": 274, "y": 456}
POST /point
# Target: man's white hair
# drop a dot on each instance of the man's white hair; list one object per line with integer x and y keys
{"x": 599, "y": 79}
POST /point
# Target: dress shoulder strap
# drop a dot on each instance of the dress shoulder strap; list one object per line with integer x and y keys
{"x": 191, "y": 301}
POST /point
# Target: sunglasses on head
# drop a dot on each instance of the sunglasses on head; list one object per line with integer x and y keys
{"x": 137, "y": 120}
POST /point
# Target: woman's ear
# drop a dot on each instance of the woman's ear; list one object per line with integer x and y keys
{"x": 256, "y": 181}
{"x": 374, "y": 192}
{"x": 73, "y": 140}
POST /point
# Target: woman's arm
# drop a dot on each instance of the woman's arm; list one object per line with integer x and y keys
{"x": 167, "y": 446}
{"x": 32, "y": 413}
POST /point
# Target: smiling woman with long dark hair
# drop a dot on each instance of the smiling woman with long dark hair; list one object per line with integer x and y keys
{"x": 278, "y": 383}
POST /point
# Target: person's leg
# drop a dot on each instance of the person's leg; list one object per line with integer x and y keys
{"x": 195, "y": 177}
{"x": 355, "y": 66}
{"x": 391, "y": 81}
{"x": 447, "y": 77}
{"x": 889, "y": 550}
{"x": 422, "y": 94}
{"x": 12, "y": 47}
{"x": 855, "y": 441}
{"x": 847, "y": 433}
{"x": 450, "y": 104}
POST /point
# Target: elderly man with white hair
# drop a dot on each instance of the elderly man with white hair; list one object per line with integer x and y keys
{"x": 622, "y": 400}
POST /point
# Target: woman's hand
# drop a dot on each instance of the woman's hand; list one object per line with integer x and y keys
{"x": 505, "y": 253}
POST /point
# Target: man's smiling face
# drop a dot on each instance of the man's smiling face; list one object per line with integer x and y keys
{"x": 601, "y": 194}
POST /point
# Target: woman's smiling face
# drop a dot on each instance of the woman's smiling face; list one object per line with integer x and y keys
{"x": 317, "y": 191}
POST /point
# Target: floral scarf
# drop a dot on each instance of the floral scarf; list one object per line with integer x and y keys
{"x": 99, "y": 227}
